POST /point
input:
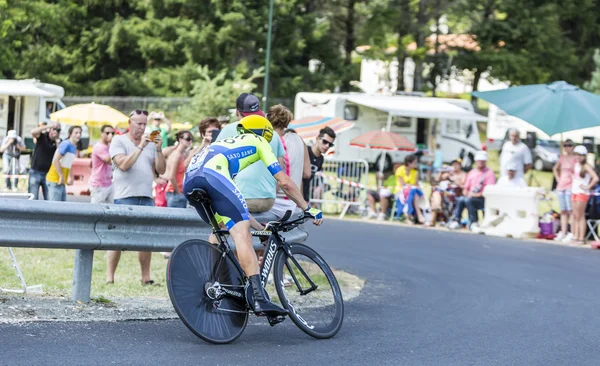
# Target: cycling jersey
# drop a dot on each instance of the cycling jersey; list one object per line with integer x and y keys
{"x": 213, "y": 169}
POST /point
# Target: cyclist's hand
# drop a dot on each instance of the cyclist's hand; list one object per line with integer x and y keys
{"x": 316, "y": 214}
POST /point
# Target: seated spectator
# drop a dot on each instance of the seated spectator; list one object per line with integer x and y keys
{"x": 382, "y": 195}
{"x": 512, "y": 179}
{"x": 472, "y": 198}
{"x": 407, "y": 179}
{"x": 449, "y": 183}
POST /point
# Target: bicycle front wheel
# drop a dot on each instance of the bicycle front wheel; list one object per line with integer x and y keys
{"x": 192, "y": 271}
{"x": 309, "y": 290}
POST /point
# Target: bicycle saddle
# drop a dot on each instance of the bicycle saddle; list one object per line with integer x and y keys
{"x": 198, "y": 195}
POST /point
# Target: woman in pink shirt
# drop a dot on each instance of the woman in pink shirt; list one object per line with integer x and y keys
{"x": 563, "y": 172}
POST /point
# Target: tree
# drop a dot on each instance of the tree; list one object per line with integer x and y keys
{"x": 214, "y": 96}
{"x": 593, "y": 84}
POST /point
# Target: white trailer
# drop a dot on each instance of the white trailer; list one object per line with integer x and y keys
{"x": 452, "y": 123}
{"x": 24, "y": 104}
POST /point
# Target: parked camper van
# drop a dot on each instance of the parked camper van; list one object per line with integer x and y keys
{"x": 24, "y": 104}
{"x": 423, "y": 120}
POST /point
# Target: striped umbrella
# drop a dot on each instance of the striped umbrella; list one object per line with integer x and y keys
{"x": 383, "y": 140}
{"x": 308, "y": 127}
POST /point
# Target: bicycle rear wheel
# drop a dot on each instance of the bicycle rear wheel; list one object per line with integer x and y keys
{"x": 193, "y": 266}
{"x": 309, "y": 290}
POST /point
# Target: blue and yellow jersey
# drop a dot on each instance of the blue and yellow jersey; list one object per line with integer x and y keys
{"x": 230, "y": 156}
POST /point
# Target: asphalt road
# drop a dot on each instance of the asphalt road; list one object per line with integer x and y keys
{"x": 431, "y": 298}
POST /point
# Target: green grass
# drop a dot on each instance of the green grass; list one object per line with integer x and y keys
{"x": 53, "y": 268}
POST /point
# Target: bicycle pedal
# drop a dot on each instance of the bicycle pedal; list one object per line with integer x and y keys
{"x": 274, "y": 320}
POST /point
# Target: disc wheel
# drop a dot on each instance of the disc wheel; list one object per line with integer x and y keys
{"x": 193, "y": 267}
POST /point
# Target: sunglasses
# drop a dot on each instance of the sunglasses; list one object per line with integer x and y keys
{"x": 188, "y": 138}
{"x": 569, "y": 145}
{"x": 138, "y": 111}
{"x": 57, "y": 130}
{"x": 327, "y": 143}
{"x": 109, "y": 133}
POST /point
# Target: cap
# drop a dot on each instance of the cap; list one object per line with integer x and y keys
{"x": 511, "y": 165}
{"x": 580, "y": 150}
{"x": 11, "y": 134}
{"x": 481, "y": 156}
{"x": 457, "y": 160}
{"x": 248, "y": 104}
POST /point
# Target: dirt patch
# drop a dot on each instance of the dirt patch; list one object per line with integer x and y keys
{"x": 33, "y": 308}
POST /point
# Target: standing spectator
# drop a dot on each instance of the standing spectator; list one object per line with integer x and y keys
{"x": 60, "y": 171}
{"x": 101, "y": 177}
{"x": 296, "y": 165}
{"x": 563, "y": 173}
{"x": 209, "y": 129}
{"x": 135, "y": 159}
{"x": 472, "y": 198}
{"x": 255, "y": 183}
{"x": 46, "y": 142}
{"x": 11, "y": 148}
{"x": 175, "y": 171}
{"x": 584, "y": 179}
{"x": 511, "y": 179}
{"x": 159, "y": 123}
{"x": 517, "y": 152}
{"x": 316, "y": 154}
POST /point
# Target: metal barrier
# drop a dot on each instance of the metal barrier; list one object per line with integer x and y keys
{"x": 340, "y": 185}
{"x": 87, "y": 227}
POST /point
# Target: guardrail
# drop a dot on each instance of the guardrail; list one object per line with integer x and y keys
{"x": 87, "y": 227}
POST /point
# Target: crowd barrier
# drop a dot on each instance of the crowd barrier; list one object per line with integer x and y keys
{"x": 341, "y": 186}
{"x": 511, "y": 212}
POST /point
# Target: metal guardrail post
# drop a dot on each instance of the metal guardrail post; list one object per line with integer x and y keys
{"x": 82, "y": 275}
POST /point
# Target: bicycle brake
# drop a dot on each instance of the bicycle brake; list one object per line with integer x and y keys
{"x": 274, "y": 320}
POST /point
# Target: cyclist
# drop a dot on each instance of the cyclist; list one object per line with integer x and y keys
{"x": 213, "y": 170}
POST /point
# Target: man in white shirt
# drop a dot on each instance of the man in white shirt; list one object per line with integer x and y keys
{"x": 511, "y": 179}
{"x": 517, "y": 152}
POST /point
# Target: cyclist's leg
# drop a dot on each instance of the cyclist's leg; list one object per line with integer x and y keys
{"x": 232, "y": 211}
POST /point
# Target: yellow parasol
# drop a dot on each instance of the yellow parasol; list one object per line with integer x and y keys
{"x": 91, "y": 114}
{"x": 181, "y": 126}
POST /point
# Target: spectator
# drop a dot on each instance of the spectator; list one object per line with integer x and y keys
{"x": 176, "y": 170}
{"x": 60, "y": 171}
{"x": 563, "y": 173}
{"x": 517, "y": 152}
{"x": 316, "y": 154}
{"x": 209, "y": 129}
{"x": 135, "y": 159}
{"x": 47, "y": 140}
{"x": 101, "y": 177}
{"x": 448, "y": 181}
{"x": 472, "y": 198}
{"x": 511, "y": 179}
{"x": 382, "y": 195}
{"x": 11, "y": 148}
{"x": 296, "y": 165}
{"x": 584, "y": 179}
{"x": 256, "y": 184}
{"x": 407, "y": 179}
{"x": 159, "y": 123}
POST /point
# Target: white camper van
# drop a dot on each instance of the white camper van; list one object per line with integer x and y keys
{"x": 423, "y": 120}
{"x": 24, "y": 104}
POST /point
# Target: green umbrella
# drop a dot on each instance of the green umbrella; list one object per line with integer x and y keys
{"x": 553, "y": 108}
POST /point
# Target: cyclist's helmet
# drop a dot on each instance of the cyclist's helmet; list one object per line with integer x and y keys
{"x": 257, "y": 125}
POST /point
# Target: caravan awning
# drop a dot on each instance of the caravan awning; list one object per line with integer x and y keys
{"x": 19, "y": 88}
{"x": 415, "y": 107}
{"x": 308, "y": 127}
